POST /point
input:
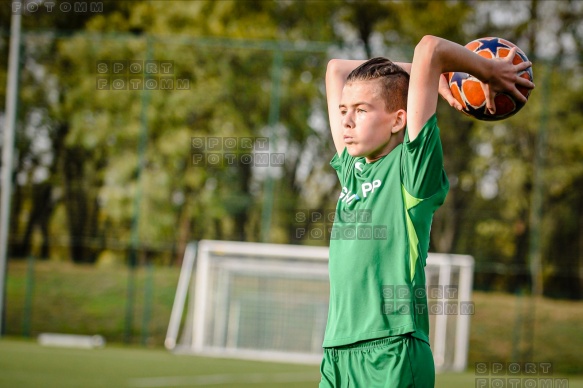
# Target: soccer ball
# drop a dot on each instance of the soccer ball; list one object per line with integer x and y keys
{"x": 467, "y": 89}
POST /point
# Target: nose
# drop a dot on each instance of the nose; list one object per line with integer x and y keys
{"x": 347, "y": 120}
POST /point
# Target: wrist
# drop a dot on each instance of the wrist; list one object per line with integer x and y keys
{"x": 486, "y": 70}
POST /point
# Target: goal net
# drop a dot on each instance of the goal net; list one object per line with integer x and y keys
{"x": 270, "y": 302}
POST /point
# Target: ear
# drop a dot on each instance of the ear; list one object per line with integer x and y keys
{"x": 400, "y": 121}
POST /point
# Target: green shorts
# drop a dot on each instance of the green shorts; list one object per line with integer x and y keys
{"x": 392, "y": 362}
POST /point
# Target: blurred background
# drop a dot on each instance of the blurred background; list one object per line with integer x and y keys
{"x": 108, "y": 188}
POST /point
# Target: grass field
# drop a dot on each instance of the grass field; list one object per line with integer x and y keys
{"x": 66, "y": 298}
{"x": 25, "y": 364}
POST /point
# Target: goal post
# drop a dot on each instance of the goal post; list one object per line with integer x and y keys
{"x": 270, "y": 302}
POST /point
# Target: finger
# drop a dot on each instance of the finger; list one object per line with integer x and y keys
{"x": 518, "y": 95}
{"x": 511, "y": 55}
{"x": 453, "y": 102}
{"x": 490, "y": 106}
{"x": 446, "y": 93}
{"x": 490, "y": 103}
{"x": 523, "y": 66}
{"x": 524, "y": 82}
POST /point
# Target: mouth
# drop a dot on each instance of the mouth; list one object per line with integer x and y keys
{"x": 348, "y": 140}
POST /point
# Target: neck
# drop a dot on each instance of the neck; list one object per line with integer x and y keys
{"x": 394, "y": 141}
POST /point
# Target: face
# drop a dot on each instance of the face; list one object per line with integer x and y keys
{"x": 366, "y": 123}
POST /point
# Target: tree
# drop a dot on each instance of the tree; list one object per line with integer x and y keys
{"x": 40, "y": 138}
{"x": 119, "y": 165}
{"x": 548, "y": 121}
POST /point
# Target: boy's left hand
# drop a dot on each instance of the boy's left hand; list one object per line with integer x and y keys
{"x": 506, "y": 79}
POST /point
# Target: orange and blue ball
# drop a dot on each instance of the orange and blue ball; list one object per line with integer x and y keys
{"x": 467, "y": 89}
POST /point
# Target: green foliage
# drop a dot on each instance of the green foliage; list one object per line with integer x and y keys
{"x": 107, "y": 169}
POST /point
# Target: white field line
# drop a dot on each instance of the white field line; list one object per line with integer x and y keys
{"x": 249, "y": 378}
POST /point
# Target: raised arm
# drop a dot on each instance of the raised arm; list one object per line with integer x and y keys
{"x": 434, "y": 56}
{"x": 336, "y": 74}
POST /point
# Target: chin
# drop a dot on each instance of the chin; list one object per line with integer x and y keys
{"x": 354, "y": 152}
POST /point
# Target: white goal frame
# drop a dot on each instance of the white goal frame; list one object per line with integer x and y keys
{"x": 262, "y": 259}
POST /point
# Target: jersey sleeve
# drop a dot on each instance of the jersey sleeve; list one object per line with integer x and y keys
{"x": 425, "y": 186}
{"x": 422, "y": 163}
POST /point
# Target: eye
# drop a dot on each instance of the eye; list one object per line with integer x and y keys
{"x": 343, "y": 112}
{"x": 359, "y": 110}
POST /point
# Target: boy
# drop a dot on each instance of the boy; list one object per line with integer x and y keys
{"x": 390, "y": 165}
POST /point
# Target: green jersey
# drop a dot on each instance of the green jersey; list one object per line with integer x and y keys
{"x": 380, "y": 238}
